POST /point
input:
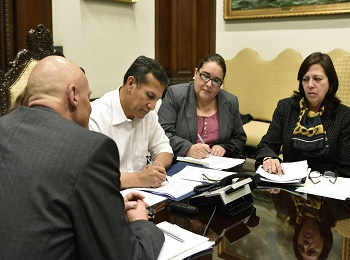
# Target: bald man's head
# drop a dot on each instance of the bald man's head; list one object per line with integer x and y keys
{"x": 58, "y": 83}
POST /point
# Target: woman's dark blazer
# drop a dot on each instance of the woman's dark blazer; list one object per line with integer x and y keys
{"x": 280, "y": 133}
{"x": 178, "y": 117}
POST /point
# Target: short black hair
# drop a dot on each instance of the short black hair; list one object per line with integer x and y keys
{"x": 143, "y": 66}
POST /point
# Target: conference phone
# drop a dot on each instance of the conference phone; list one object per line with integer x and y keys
{"x": 230, "y": 197}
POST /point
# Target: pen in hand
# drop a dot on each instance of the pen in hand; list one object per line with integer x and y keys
{"x": 150, "y": 161}
{"x": 202, "y": 141}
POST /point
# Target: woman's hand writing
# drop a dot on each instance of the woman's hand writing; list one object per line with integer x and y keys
{"x": 199, "y": 151}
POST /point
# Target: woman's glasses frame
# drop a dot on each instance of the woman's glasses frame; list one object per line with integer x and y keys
{"x": 216, "y": 82}
{"x": 314, "y": 175}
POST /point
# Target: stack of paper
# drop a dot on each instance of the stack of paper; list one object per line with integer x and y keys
{"x": 173, "y": 188}
{"x": 213, "y": 162}
{"x": 181, "y": 243}
{"x": 294, "y": 172}
{"x": 201, "y": 174}
{"x": 339, "y": 190}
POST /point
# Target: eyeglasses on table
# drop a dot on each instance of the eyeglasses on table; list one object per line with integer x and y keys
{"x": 315, "y": 176}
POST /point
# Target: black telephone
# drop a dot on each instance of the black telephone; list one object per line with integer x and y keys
{"x": 231, "y": 198}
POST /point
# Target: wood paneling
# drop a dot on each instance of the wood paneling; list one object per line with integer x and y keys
{"x": 17, "y": 17}
{"x": 185, "y": 33}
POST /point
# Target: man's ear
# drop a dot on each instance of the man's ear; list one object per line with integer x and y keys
{"x": 72, "y": 96}
{"x": 130, "y": 83}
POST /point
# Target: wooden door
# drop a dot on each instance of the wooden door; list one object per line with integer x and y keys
{"x": 17, "y": 17}
{"x": 184, "y": 34}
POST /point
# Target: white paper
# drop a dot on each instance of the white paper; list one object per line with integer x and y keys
{"x": 150, "y": 199}
{"x": 214, "y": 162}
{"x": 173, "y": 188}
{"x": 172, "y": 248}
{"x": 293, "y": 171}
{"x": 208, "y": 161}
{"x": 339, "y": 190}
{"x": 197, "y": 174}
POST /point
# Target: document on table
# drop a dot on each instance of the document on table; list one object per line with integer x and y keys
{"x": 294, "y": 173}
{"x": 150, "y": 198}
{"x": 201, "y": 174}
{"x": 339, "y": 190}
{"x": 190, "y": 243}
{"x": 214, "y": 162}
{"x": 173, "y": 188}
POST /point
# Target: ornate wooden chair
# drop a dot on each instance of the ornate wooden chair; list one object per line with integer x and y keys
{"x": 14, "y": 81}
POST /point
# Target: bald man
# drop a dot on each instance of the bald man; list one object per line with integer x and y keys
{"x": 60, "y": 182}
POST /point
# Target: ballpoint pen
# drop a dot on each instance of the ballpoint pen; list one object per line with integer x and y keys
{"x": 150, "y": 160}
{"x": 202, "y": 141}
{"x": 200, "y": 138}
{"x": 173, "y": 236}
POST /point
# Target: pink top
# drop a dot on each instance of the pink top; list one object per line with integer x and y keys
{"x": 208, "y": 128}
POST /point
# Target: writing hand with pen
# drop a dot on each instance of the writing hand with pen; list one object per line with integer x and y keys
{"x": 202, "y": 150}
{"x": 153, "y": 175}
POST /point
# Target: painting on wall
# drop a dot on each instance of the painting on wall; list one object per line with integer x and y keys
{"x": 125, "y": 1}
{"x": 243, "y": 9}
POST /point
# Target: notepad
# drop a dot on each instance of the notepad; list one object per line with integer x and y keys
{"x": 190, "y": 243}
{"x": 209, "y": 161}
{"x": 295, "y": 172}
{"x": 173, "y": 188}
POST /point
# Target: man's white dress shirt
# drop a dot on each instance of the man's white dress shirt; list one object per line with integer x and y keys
{"x": 135, "y": 138}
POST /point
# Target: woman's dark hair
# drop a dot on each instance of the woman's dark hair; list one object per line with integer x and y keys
{"x": 326, "y": 233}
{"x": 331, "y": 102}
{"x": 143, "y": 66}
{"x": 216, "y": 58}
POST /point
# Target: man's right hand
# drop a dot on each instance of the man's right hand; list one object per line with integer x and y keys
{"x": 137, "y": 213}
{"x": 152, "y": 176}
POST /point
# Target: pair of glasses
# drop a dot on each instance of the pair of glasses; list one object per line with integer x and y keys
{"x": 214, "y": 81}
{"x": 314, "y": 176}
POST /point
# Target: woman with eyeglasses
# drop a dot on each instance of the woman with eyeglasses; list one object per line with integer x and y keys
{"x": 199, "y": 117}
{"x": 311, "y": 125}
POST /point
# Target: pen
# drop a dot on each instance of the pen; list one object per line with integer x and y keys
{"x": 173, "y": 236}
{"x": 150, "y": 160}
{"x": 202, "y": 141}
{"x": 200, "y": 138}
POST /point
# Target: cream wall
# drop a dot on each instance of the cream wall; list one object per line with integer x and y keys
{"x": 270, "y": 36}
{"x": 105, "y": 37}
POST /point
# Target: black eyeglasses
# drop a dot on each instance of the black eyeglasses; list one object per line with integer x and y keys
{"x": 206, "y": 77}
{"x": 315, "y": 175}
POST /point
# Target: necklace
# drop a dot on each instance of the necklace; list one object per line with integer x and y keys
{"x": 207, "y": 108}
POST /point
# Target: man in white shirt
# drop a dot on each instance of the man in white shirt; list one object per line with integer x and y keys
{"x": 126, "y": 115}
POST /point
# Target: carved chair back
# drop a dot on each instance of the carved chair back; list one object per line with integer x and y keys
{"x": 13, "y": 83}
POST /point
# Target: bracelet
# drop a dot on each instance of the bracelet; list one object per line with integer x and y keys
{"x": 266, "y": 158}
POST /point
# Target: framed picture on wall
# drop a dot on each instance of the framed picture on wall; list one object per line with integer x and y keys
{"x": 125, "y": 1}
{"x": 241, "y": 9}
